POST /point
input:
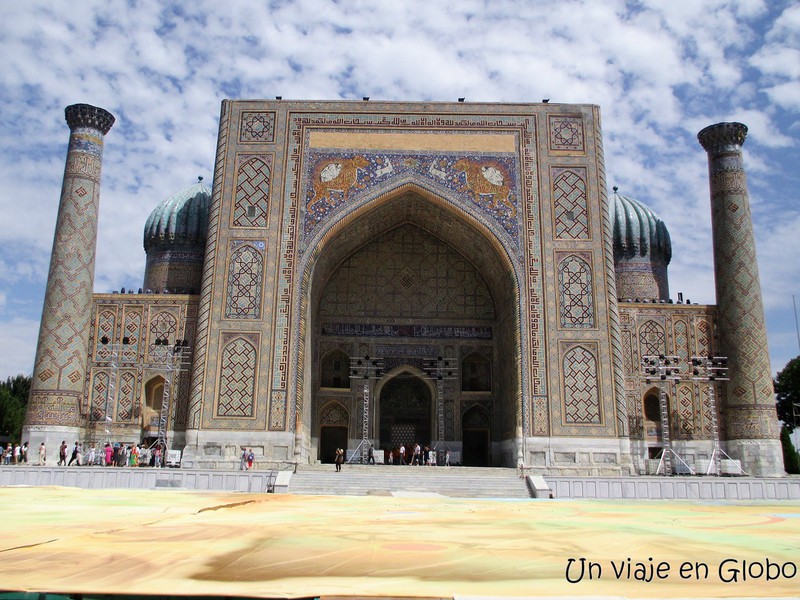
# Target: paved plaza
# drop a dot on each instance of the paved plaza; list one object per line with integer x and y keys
{"x": 176, "y": 542}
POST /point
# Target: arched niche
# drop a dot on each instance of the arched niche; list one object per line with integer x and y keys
{"x": 452, "y": 232}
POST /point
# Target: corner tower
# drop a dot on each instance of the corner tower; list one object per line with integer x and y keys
{"x": 749, "y": 412}
{"x": 61, "y": 356}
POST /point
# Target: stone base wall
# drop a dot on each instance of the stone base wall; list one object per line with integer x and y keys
{"x": 760, "y": 458}
{"x": 675, "y": 488}
{"x": 223, "y": 449}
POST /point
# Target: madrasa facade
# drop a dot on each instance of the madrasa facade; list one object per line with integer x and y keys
{"x": 452, "y": 274}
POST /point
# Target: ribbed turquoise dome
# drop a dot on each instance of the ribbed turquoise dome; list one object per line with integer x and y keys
{"x": 638, "y": 231}
{"x": 181, "y": 220}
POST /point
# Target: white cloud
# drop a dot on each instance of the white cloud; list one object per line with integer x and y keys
{"x": 659, "y": 72}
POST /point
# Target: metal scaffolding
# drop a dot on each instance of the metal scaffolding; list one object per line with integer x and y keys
{"x": 364, "y": 369}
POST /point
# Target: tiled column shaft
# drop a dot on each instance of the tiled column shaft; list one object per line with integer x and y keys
{"x": 62, "y": 355}
{"x": 749, "y": 412}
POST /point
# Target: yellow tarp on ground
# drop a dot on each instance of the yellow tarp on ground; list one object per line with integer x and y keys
{"x": 65, "y": 540}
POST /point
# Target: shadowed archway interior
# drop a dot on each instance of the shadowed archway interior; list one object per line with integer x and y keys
{"x": 405, "y": 280}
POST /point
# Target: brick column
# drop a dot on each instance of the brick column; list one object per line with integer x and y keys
{"x": 62, "y": 352}
{"x": 749, "y": 409}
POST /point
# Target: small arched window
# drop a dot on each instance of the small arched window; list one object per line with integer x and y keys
{"x": 476, "y": 373}
{"x": 335, "y": 370}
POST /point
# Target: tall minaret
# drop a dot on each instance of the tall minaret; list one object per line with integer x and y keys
{"x": 62, "y": 352}
{"x": 749, "y": 410}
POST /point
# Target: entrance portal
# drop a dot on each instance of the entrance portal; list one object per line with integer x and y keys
{"x": 405, "y": 413}
{"x": 475, "y": 428}
{"x": 331, "y": 438}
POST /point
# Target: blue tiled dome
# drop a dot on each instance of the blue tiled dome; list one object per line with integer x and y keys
{"x": 181, "y": 220}
{"x": 638, "y": 231}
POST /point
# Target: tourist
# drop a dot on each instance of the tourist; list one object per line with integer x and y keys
{"x": 389, "y": 458}
{"x": 250, "y": 459}
{"x": 370, "y": 455}
{"x": 108, "y": 455}
{"x": 447, "y": 458}
{"x": 42, "y": 454}
{"x": 243, "y": 459}
{"x": 7, "y": 454}
{"x": 90, "y": 456}
{"x": 415, "y": 455}
{"x": 17, "y": 460}
{"x": 62, "y": 454}
{"x": 402, "y": 454}
{"x": 339, "y": 459}
{"x": 157, "y": 457}
{"x": 76, "y": 451}
{"x": 23, "y": 456}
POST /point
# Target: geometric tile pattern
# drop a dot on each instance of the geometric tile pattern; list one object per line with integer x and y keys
{"x": 652, "y": 339}
{"x": 334, "y": 414}
{"x": 163, "y": 326}
{"x": 566, "y": 133}
{"x": 407, "y": 273}
{"x": 575, "y": 291}
{"x": 237, "y": 382}
{"x": 133, "y": 331}
{"x": 105, "y": 328}
{"x": 257, "y": 127}
{"x": 581, "y": 398}
{"x": 277, "y": 410}
{"x": 251, "y": 202}
{"x": 685, "y": 425}
{"x": 569, "y": 203}
{"x": 127, "y": 407}
{"x": 245, "y": 273}
{"x": 99, "y": 398}
{"x": 681, "y": 342}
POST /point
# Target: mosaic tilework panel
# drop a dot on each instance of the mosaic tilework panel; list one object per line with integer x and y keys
{"x": 237, "y": 379}
{"x": 257, "y": 127}
{"x": 541, "y": 420}
{"x": 245, "y": 276}
{"x": 251, "y": 199}
{"x": 334, "y": 414}
{"x": 277, "y": 410}
{"x": 100, "y": 395}
{"x": 104, "y": 327}
{"x": 405, "y": 274}
{"x": 652, "y": 339}
{"x": 576, "y": 295}
{"x": 570, "y": 213}
{"x": 127, "y": 407}
{"x": 703, "y": 338}
{"x": 164, "y": 326}
{"x": 133, "y": 332}
{"x": 566, "y": 133}
{"x": 685, "y": 410}
{"x": 581, "y": 398}
{"x": 681, "y": 341}
{"x": 490, "y": 183}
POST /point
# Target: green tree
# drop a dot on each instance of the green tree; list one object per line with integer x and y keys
{"x": 787, "y": 392}
{"x": 791, "y": 460}
{"x": 13, "y": 403}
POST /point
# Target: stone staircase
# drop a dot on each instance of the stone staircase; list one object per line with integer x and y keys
{"x": 384, "y": 480}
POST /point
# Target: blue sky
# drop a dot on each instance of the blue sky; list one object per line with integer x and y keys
{"x": 660, "y": 72}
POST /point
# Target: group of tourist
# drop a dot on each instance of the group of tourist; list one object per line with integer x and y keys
{"x": 111, "y": 455}
{"x": 417, "y": 456}
{"x": 15, "y": 454}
